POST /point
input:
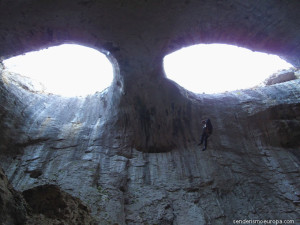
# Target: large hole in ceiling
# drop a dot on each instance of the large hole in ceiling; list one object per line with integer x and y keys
{"x": 216, "y": 68}
{"x": 66, "y": 70}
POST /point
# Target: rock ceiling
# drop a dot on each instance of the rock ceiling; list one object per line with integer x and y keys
{"x": 144, "y": 31}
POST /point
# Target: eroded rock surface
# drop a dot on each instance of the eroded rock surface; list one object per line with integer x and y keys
{"x": 252, "y": 161}
{"x": 282, "y": 76}
{"x": 41, "y": 205}
{"x": 50, "y": 205}
{"x": 13, "y": 208}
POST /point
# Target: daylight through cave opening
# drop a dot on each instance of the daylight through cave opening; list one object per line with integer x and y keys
{"x": 67, "y": 70}
{"x": 216, "y": 68}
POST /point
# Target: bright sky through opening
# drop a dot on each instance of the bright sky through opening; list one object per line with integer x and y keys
{"x": 67, "y": 70}
{"x": 216, "y": 68}
{"x": 74, "y": 70}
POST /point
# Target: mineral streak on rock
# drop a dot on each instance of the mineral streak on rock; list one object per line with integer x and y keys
{"x": 130, "y": 153}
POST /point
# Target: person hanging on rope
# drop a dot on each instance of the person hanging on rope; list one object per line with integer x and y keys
{"x": 206, "y": 132}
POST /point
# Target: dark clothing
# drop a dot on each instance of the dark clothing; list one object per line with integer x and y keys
{"x": 208, "y": 126}
{"x": 207, "y": 131}
{"x": 204, "y": 138}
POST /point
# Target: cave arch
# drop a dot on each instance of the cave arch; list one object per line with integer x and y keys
{"x": 139, "y": 34}
{"x": 94, "y": 24}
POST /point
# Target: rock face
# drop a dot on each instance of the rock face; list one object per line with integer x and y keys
{"x": 252, "y": 162}
{"x": 282, "y": 76}
{"x": 50, "y": 205}
{"x": 130, "y": 153}
{"x": 42, "y": 205}
{"x": 13, "y": 208}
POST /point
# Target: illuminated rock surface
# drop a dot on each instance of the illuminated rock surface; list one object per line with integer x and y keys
{"x": 130, "y": 153}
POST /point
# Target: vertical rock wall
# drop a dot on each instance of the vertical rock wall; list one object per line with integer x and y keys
{"x": 88, "y": 148}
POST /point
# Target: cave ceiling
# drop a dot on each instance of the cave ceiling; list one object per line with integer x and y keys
{"x": 141, "y": 32}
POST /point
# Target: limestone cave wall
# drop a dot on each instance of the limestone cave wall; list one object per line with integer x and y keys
{"x": 130, "y": 153}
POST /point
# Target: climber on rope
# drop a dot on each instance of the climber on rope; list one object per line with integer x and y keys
{"x": 206, "y": 132}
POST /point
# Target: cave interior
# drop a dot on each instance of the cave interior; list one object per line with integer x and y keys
{"x": 130, "y": 154}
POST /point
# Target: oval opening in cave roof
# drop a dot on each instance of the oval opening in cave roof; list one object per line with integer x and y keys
{"x": 66, "y": 70}
{"x": 216, "y": 68}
